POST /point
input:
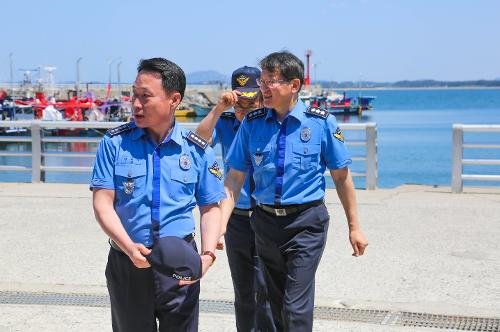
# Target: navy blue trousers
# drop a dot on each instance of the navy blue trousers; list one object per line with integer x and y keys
{"x": 251, "y": 303}
{"x": 290, "y": 249}
{"x": 140, "y": 297}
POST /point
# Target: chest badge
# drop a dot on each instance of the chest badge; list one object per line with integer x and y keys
{"x": 258, "y": 156}
{"x": 305, "y": 134}
{"x": 185, "y": 162}
{"x": 129, "y": 185}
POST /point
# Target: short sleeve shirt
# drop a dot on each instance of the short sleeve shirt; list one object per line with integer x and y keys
{"x": 156, "y": 184}
{"x": 289, "y": 158}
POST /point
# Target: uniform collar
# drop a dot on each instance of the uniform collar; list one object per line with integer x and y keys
{"x": 138, "y": 132}
{"x": 236, "y": 123}
{"x": 270, "y": 114}
{"x": 297, "y": 111}
{"x": 174, "y": 135}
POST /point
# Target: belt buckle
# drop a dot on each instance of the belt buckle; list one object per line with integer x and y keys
{"x": 280, "y": 212}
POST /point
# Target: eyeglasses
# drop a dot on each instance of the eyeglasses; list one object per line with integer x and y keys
{"x": 270, "y": 83}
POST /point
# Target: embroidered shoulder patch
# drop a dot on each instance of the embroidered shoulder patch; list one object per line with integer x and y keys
{"x": 227, "y": 115}
{"x": 198, "y": 140}
{"x": 319, "y": 112}
{"x": 338, "y": 135}
{"x": 215, "y": 170}
{"x": 120, "y": 129}
{"x": 256, "y": 114}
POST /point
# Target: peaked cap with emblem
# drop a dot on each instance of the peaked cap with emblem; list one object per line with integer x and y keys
{"x": 197, "y": 140}
{"x": 244, "y": 80}
{"x": 319, "y": 112}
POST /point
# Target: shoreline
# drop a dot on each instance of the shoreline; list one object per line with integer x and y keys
{"x": 423, "y": 88}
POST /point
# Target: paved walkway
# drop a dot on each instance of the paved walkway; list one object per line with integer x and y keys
{"x": 430, "y": 251}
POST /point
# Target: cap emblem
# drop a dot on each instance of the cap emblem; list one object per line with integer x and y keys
{"x": 242, "y": 80}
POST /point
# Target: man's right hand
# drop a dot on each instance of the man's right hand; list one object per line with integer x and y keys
{"x": 228, "y": 100}
{"x": 136, "y": 254}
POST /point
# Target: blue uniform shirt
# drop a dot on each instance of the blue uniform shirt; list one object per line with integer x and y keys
{"x": 156, "y": 186}
{"x": 224, "y": 133}
{"x": 289, "y": 159}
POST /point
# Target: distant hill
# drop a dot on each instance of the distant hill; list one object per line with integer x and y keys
{"x": 410, "y": 84}
{"x": 206, "y": 77}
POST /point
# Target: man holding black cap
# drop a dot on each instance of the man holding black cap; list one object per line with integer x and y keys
{"x": 251, "y": 304}
{"x": 148, "y": 176}
{"x": 288, "y": 146}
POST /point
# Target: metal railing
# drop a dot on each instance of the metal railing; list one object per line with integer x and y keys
{"x": 458, "y": 156}
{"x": 38, "y": 154}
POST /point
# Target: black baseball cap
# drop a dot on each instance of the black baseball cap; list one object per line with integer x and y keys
{"x": 175, "y": 257}
{"x": 244, "y": 79}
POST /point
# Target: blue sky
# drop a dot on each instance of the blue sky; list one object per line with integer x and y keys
{"x": 376, "y": 40}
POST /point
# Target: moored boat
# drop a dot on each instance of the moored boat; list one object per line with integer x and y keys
{"x": 337, "y": 103}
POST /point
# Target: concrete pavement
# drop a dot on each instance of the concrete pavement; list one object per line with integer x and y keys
{"x": 430, "y": 251}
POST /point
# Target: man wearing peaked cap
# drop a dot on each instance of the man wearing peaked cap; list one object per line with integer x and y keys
{"x": 251, "y": 303}
{"x": 148, "y": 176}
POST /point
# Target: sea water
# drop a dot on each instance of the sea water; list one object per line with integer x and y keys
{"x": 414, "y": 130}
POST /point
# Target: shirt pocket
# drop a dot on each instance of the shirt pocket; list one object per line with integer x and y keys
{"x": 182, "y": 184}
{"x": 130, "y": 179}
{"x": 305, "y": 155}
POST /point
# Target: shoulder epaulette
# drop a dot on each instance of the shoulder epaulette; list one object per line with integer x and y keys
{"x": 319, "y": 112}
{"x": 120, "y": 129}
{"x": 256, "y": 114}
{"x": 198, "y": 140}
{"x": 227, "y": 115}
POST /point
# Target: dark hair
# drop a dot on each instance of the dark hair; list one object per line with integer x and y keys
{"x": 172, "y": 76}
{"x": 286, "y": 64}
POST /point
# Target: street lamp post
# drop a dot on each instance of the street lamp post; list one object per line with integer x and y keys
{"x": 315, "y": 77}
{"x": 118, "y": 74}
{"x": 77, "y": 84}
{"x": 110, "y": 62}
{"x": 11, "y": 74}
{"x": 108, "y": 93}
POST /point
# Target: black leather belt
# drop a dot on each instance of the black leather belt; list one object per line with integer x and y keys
{"x": 243, "y": 212}
{"x": 285, "y": 210}
{"x": 115, "y": 246}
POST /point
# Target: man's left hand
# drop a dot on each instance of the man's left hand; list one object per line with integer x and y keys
{"x": 358, "y": 242}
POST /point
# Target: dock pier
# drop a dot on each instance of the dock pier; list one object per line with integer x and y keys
{"x": 433, "y": 256}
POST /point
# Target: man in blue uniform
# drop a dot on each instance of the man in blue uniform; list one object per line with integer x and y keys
{"x": 148, "y": 176}
{"x": 288, "y": 146}
{"x": 251, "y": 304}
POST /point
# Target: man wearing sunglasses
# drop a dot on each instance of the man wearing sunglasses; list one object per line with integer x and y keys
{"x": 288, "y": 146}
{"x": 253, "y": 312}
